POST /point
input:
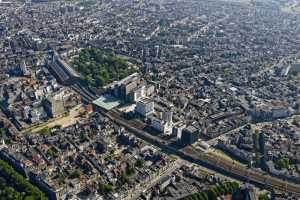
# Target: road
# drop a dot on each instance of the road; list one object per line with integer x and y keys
{"x": 214, "y": 162}
{"x": 282, "y": 62}
{"x": 152, "y": 182}
{"x": 214, "y": 141}
{"x": 63, "y": 121}
{"x": 245, "y": 173}
{"x": 207, "y": 27}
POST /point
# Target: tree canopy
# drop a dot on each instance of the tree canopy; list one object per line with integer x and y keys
{"x": 100, "y": 68}
{"x": 10, "y": 180}
{"x": 215, "y": 192}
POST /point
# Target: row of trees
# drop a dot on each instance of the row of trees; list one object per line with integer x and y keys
{"x": 215, "y": 192}
{"x": 12, "y": 182}
{"x": 9, "y": 193}
{"x": 100, "y": 68}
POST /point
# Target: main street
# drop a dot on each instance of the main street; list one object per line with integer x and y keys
{"x": 153, "y": 181}
{"x": 214, "y": 162}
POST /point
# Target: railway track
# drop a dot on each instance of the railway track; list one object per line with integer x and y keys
{"x": 86, "y": 95}
{"x": 216, "y": 163}
{"x": 213, "y": 162}
{"x": 244, "y": 173}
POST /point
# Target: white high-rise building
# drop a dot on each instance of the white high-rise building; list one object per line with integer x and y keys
{"x": 144, "y": 107}
{"x": 24, "y": 68}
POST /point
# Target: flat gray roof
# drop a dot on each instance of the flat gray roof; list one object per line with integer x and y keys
{"x": 107, "y": 102}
